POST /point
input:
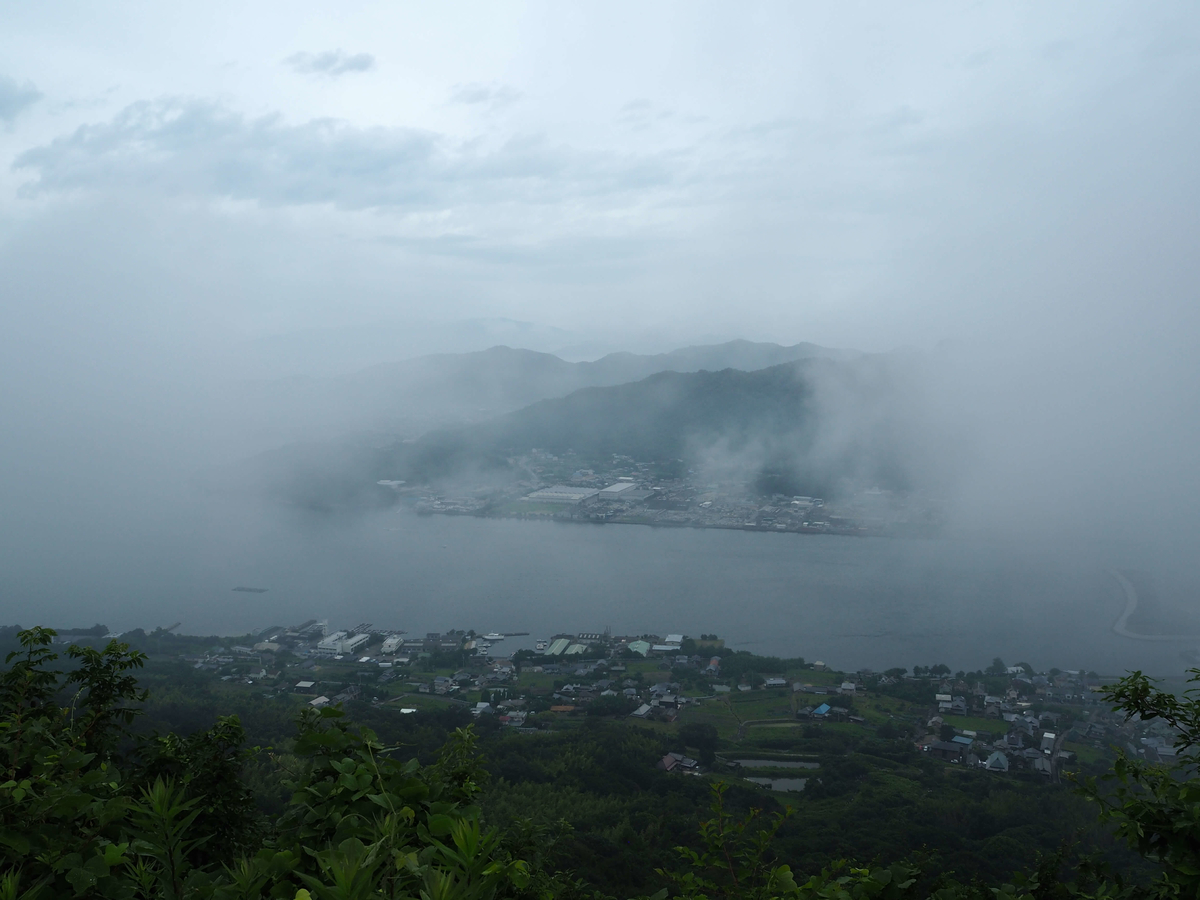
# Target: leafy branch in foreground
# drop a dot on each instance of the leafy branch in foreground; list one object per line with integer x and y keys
{"x": 87, "y": 812}
{"x": 1156, "y": 807}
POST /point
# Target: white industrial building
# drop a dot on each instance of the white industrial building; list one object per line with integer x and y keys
{"x": 392, "y": 644}
{"x": 617, "y": 491}
{"x": 341, "y": 644}
{"x": 328, "y": 646}
{"x": 562, "y": 493}
{"x": 354, "y": 644}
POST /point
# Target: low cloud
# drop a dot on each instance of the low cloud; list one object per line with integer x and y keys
{"x": 16, "y": 98}
{"x": 331, "y": 63}
{"x": 492, "y": 96}
{"x": 641, "y": 114}
{"x": 194, "y": 147}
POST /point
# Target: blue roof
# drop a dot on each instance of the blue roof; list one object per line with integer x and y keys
{"x": 821, "y": 710}
{"x": 962, "y": 739}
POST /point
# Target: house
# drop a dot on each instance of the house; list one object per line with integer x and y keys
{"x": 304, "y": 687}
{"x": 678, "y": 763}
{"x": 947, "y": 750}
{"x": 318, "y": 702}
{"x": 640, "y": 647}
{"x": 350, "y": 693}
{"x": 481, "y": 708}
{"x": 775, "y": 683}
{"x": 848, "y": 687}
{"x": 821, "y": 711}
{"x": 997, "y": 762}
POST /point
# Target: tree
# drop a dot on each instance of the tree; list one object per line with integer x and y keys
{"x": 1156, "y": 807}
{"x": 171, "y": 817}
{"x": 703, "y": 737}
{"x": 735, "y": 862}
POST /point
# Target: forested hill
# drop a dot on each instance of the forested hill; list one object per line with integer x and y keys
{"x": 815, "y": 419}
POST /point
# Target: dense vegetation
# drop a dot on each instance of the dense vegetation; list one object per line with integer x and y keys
{"x": 108, "y": 792}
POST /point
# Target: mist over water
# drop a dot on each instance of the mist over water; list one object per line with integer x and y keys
{"x": 851, "y": 602}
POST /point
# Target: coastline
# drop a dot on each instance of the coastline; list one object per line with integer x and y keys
{"x": 1131, "y": 604}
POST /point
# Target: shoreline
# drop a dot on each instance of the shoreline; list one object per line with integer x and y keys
{"x": 1131, "y": 604}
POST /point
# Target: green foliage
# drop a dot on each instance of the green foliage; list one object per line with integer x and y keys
{"x": 87, "y": 810}
{"x": 1156, "y": 808}
{"x": 172, "y": 819}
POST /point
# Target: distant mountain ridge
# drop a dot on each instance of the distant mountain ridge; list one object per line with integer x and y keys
{"x": 412, "y": 396}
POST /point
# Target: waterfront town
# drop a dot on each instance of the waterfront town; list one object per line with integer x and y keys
{"x": 1006, "y": 720}
{"x": 626, "y": 491}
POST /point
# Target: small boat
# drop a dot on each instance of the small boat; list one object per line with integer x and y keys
{"x": 494, "y": 636}
{"x": 541, "y": 646}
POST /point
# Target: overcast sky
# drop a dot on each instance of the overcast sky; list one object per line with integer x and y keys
{"x": 1016, "y": 179}
{"x": 195, "y": 193}
{"x": 864, "y": 175}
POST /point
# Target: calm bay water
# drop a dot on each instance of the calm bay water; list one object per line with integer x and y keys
{"x": 851, "y": 602}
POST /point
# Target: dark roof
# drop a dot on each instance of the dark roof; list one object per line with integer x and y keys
{"x": 947, "y": 745}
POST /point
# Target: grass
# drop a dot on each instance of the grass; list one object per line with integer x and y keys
{"x": 976, "y": 723}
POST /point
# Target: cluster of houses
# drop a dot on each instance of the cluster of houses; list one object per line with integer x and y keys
{"x": 1026, "y": 735}
{"x": 1025, "y": 739}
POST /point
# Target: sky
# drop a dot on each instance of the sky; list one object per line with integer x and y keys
{"x": 865, "y": 176}
{"x": 194, "y": 193}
